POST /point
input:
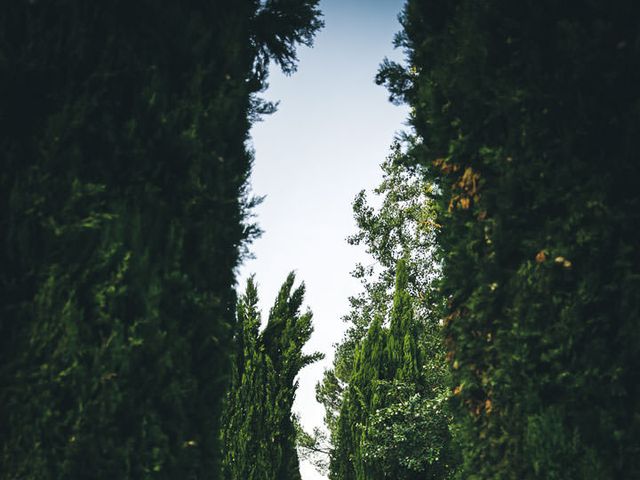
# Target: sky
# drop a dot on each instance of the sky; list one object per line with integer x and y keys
{"x": 333, "y": 128}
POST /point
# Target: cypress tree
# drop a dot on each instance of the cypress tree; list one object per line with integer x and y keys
{"x": 341, "y": 463}
{"x": 529, "y": 119}
{"x": 122, "y": 210}
{"x": 403, "y": 356}
{"x": 359, "y": 402}
{"x": 259, "y": 435}
{"x": 393, "y": 421}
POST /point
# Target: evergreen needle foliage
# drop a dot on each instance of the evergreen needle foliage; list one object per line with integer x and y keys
{"x": 528, "y": 116}
{"x": 259, "y": 432}
{"x": 123, "y": 210}
{"x": 393, "y": 421}
{"x": 386, "y": 396}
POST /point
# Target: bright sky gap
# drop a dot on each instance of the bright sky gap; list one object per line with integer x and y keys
{"x": 325, "y": 143}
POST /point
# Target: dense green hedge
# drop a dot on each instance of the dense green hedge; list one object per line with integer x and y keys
{"x": 529, "y": 115}
{"x": 122, "y": 212}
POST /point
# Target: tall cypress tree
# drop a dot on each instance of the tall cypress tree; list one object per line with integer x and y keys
{"x": 403, "y": 355}
{"x": 368, "y": 369}
{"x": 393, "y": 421}
{"x": 122, "y": 210}
{"x": 259, "y": 435}
{"x": 529, "y": 118}
{"x": 358, "y": 403}
{"x": 407, "y": 420}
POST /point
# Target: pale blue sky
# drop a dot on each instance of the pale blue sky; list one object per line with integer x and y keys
{"x": 332, "y": 130}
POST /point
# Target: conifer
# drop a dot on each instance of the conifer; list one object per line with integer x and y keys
{"x": 123, "y": 212}
{"x": 387, "y": 405}
{"x": 528, "y": 119}
{"x": 259, "y": 435}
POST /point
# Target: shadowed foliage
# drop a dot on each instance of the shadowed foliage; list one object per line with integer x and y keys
{"x": 529, "y": 119}
{"x": 123, "y": 212}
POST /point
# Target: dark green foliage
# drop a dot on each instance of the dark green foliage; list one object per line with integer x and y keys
{"x": 529, "y": 116}
{"x": 259, "y": 432}
{"x": 278, "y": 26}
{"x": 122, "y": 212}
